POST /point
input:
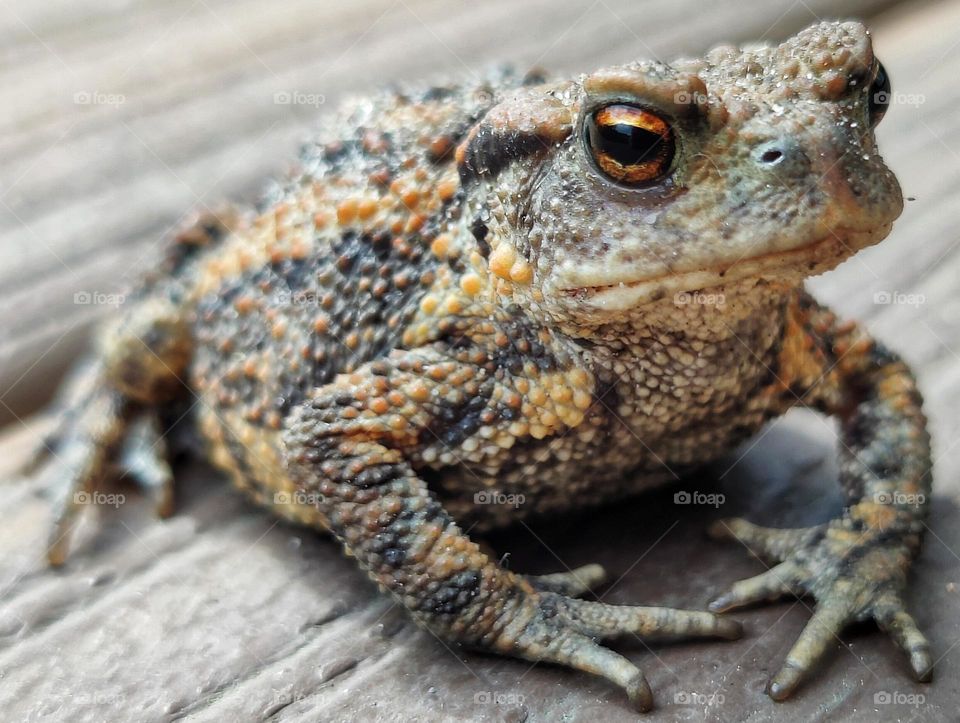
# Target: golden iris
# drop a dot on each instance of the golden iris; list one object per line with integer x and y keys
{"x": 630, "y": 144}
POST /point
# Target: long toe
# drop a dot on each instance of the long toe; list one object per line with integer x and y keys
{"x": 771, "y": 585}
{"x": 606, "y": 621}
{"x": 576, "y": 582}
{"x": 893, "y": 618}
{"x": 817, "y": 637}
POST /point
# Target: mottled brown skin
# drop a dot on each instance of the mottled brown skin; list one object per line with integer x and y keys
{"x": 448, "y": 298}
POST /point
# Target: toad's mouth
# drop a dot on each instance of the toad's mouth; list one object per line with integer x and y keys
{"x": 789, "y": 266}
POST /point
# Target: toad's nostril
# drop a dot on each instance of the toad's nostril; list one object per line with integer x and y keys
{"x": 777, "y": 152}
{"x": 771, "y": 156}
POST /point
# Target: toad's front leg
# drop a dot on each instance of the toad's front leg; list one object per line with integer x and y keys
{"x": 855, "y": 566}
{"x": 348, "y": 446}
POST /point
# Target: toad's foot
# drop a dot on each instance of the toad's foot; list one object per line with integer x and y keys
{"x": 853, "y": 570}
{"x": 100, "y": 434}
{"x": 81, "y": 465}
{"x": 563, "y": 630}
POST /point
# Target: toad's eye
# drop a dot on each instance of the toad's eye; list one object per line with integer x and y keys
{"x": 879, "y": 99}
{"x": 631, "y": 145}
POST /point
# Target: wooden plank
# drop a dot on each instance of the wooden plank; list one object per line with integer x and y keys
{"x": 223, "y": 613}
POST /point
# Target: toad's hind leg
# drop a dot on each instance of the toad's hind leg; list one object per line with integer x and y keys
{"x": 112, "y": 420}
{"x": 349, "y": 445}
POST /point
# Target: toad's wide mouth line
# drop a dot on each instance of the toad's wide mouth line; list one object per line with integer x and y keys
{"x": 834, "y": 247}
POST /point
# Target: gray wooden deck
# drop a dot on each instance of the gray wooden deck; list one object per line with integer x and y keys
{"x": 120, "y": 117}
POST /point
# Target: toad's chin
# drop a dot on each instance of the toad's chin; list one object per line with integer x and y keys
{"x": 785, "y": 267}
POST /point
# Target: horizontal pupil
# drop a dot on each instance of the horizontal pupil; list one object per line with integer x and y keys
{"x": 629, "y": 145}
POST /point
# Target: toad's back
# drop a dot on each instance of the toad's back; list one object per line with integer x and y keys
{"x": 329, "y": 274}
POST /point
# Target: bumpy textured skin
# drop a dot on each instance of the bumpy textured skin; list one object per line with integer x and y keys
{"x": 446, "y": 303}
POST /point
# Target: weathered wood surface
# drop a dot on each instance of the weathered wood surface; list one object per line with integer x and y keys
{"x": 223, "y": 613}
